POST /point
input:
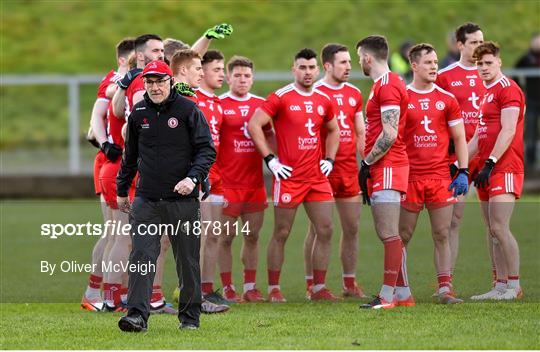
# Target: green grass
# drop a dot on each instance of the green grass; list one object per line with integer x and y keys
{"x": 41, "y": 311}
{"x": 79, "y": 37}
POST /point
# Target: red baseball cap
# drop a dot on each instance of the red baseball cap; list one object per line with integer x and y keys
{"x": 157, "y": 68}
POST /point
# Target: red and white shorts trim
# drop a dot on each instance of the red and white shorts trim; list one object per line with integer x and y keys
{"x": 502, "y": 183}
{"x": 389, "y": 177}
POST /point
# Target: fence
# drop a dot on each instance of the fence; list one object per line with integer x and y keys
{"x": 73, "y": 82}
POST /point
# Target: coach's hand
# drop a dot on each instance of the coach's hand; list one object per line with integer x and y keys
{"x": 205, "y": 188}
{"x": 327, "y": 165}
{"x": 280, "y": 171}
{"x": 112, "y": 151}
{"x": 123, "y": 204}
{"x": 363, "y": 176}
{"x": 460, "y": 185}
{"x": 128, "y": 78}
{"x": 482, "y": 180}
{"x": 185, "y": 187}
{"x": 219, "y": 31}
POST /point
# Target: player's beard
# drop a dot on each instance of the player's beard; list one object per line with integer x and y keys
{"x": 365, "y": 70}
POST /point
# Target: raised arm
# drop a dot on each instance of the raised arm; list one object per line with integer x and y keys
{"x": 217, "y": 32}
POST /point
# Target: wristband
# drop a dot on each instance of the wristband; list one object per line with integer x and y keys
{"x": 493, "y": 158}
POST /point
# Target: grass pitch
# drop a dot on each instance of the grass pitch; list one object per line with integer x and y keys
{"x": 42, "y": 311}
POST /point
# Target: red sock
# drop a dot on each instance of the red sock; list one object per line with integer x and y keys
{"x": 207, "y": 287}
{"x": 444, "y": 279}
{"x": 250, "y": 276}
{"x": 273, "y": 277}
{"x": 157, "y": 295}
{"x": 226, "y": 278}
{"x": 94, "y": 281}
{"x": 111, "y": 293}
{"x": 402, "y": 279}
{"x": 349, "y": 281}
{"x": 513, "y": 277}
{"x": 123, "y": 290}
{"x": 392, "y": 260}
{"x": 309, "y": 282}
{"x": 319, "y": 277}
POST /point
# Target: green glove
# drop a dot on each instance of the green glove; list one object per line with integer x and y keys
{"x": 184, "y": 89}
{"x": 219, "y": 31}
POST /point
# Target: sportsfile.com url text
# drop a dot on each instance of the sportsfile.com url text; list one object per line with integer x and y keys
{"x": 116, "y": 228}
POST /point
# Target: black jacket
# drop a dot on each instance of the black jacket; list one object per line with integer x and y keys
{"x": 165, "y": 142}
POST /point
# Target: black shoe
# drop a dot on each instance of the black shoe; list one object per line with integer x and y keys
{"x": 378, "y": 303}
{"x": 216, "y": 298}
{"x": 188, "y": 326}
{"x": 133, "y": 322}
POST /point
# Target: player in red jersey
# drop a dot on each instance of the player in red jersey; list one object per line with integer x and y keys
{"x": 92, "y": 299}
{"x": 384, "y": 171}
{"x": 240, "y": 167}
{"x": 462, "y": 80}
{"x": 498, "y": 141}
{"x": 188, "y": 75}
{"x": 297, "y": 113}
{"x": 347, "y": 101}
{"x": 433, "y": 119}
{"x": 211, "y": 210}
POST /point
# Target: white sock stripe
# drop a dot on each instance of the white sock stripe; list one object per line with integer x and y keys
{"x": 404, "y": 267}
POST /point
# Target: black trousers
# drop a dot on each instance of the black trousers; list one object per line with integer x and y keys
{"x": 179, "y": 217}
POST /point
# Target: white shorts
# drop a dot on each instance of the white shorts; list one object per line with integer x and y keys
{"x": 386, "y": 196}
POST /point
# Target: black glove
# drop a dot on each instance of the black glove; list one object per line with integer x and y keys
{"x": 482, "y": 180}
{"x": 205, "y": 188}
{"x": 363, "y": 176}
{"x": 453, "y": 170}
{"x": 112, "y": 151}
{"x": 128, "y": 78}
{"x": 93, "y": 141}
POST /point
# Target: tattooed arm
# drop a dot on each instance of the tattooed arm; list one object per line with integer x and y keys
{"x": 390, "y": 121}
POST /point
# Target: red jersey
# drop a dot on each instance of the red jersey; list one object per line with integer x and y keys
{"x": 211, "y": 108}
{"x": 239, "y": 162}
{"x": 429, "y": 115}
{"x": 500, "y": 95}
{"x": 465, "y": 84}
{"x": 114, "y": 127}
{"x": 347, "y": 102}
{"x": 109, "y": 79}
{"x": 136, "y": 86}
{"x": 388, "y": 92}
{"x": 298, "y": 117}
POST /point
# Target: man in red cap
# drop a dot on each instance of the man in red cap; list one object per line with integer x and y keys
{"x": 169, "y": 143}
